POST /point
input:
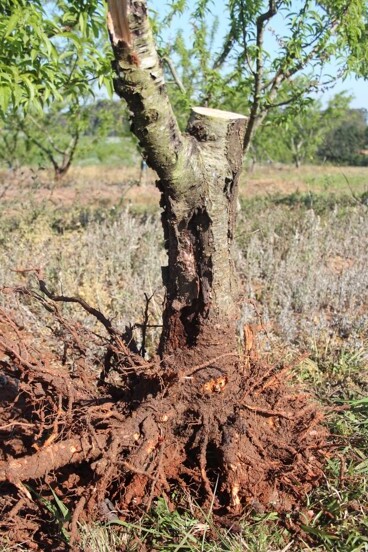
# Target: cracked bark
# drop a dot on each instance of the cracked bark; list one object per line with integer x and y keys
{"x": 198, "y": 179}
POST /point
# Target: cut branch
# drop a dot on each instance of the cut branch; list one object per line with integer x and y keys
{"x": 140, "y": 81}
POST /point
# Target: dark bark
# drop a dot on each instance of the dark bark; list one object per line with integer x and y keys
{"x": 199, "y": 173}
{"x": 202, "y": 288}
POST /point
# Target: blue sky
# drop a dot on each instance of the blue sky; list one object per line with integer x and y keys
{"x": 356, "y": 87}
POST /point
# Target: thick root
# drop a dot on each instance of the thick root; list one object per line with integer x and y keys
{"x": 229, "y": 429}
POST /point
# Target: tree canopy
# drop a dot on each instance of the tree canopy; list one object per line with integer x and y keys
{"x": 269, "y": 53}
{"x": 274, "y": 53}
{"x": 53, "y": 50}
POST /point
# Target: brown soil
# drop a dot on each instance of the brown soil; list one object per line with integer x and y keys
{"x": 108, "y": 432}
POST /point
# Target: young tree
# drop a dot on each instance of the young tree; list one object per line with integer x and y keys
{"x": 51, "y": 56}
{"x": 274, "y": 54}
{"x": 302, "y": 133}
{"x": 53, "y": 136}
{"x": 62, "y": 132}
{"x": 201, "y": 416}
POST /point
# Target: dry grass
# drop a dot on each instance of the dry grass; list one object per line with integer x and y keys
{"x": 307, "y": 269}
{"x": 116, "y": 186}
{"x": 302, "y": 259}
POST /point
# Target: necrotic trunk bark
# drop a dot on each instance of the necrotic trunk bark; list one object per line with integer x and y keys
{"x": 198, "y": 173}
{"x": 202, "y": 290}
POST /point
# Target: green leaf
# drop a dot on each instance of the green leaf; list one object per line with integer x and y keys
{"x": 83, "y": 23}
{"x": 359, "y": 402}
{"x": 320, "y": 533}
{"x": 5, "y": 96}
{"x": 63, "y": 509}
{"x": 12, "y": 23}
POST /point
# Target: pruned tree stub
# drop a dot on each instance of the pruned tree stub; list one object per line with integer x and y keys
{"x": 203, "y": 415}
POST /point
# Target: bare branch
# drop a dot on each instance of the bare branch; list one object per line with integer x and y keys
{"x": 69, "y": 153}
{"x": 174, "y": 73}
{"x": 258, "y": 75}
{"x": 91, "y": 310}
{"x": 287, "y": 101}
{"x": 44, "y": 131}
{"x": 43, "y": 148}
{"x": 140, "y": 81}
{"x": 221, "y": 58}
{"x": 264, "y": 17}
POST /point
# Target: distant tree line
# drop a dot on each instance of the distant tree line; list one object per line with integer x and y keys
{"x": 61, "y": 134}
{"x": 336, "y": 134}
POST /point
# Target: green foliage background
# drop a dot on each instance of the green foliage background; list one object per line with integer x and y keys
{"x": 55, "y": 57}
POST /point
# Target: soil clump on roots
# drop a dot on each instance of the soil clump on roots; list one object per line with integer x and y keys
{"x": 85, "y": 420}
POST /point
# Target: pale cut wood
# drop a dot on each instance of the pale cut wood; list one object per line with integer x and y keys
{"x": 217, "y": 113}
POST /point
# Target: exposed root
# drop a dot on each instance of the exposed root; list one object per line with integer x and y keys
{"x": 74, "y": 536}
{"x": 266, "y": 412}
{"x": 231, "y": 430}
{"x": 50, "y": 458}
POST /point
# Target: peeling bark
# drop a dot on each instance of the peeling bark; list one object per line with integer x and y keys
{"x": 199, "y": 228}
{"x": 118, "y": 21}
{"x": 199, "y": 172}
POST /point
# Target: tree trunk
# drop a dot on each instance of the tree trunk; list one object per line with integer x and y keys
{"x": 199, "y": 172}
{"x": 225, "y": 429}
{"x": 202, "y": 290}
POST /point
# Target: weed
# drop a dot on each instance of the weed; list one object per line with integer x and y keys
{"x": 59, "y": 512}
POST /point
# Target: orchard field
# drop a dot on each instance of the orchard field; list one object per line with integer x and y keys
{"x": 302, "y": 254}
{"x": 183, "y": 275}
